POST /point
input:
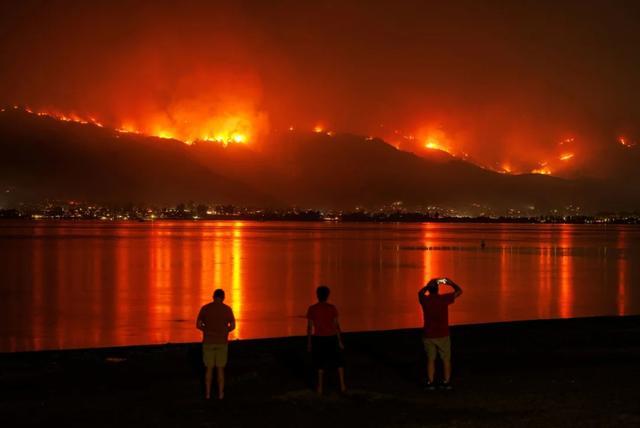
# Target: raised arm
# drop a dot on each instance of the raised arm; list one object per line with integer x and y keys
{"x": 432, "y": 282}
{"x": 457, "y": 291}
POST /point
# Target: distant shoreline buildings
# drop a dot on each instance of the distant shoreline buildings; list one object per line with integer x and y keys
{"x": 394, "y": 213}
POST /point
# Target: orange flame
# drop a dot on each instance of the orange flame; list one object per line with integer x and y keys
{"x": 625, "y": 142}
{"x": 232, "y": 129}
{"x": 544, "y": 170}
{"x": 434, "y": 138}
{"x": 433, "y": 143}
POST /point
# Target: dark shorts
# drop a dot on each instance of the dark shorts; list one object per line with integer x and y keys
{"x": 326, "y": 353}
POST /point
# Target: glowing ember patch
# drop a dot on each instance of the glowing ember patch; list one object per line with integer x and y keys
{"x": 318, "y": 129}
{"x": 506, "y": 169}
{"x": 238, "y": 138}
{"x": 65, "y": 117}
{"x": 127, "y": 129}
{"x": 163, "y": 134}
{"x": 231, "y": 129}
{"x": 566, "y": 156}
{"x": 226, "y": 139}
{"x": 625, "y": 142}
{"x": 542, "y": 170}
{"x": 95, "y": 122}
{"x": 433, "y": 143}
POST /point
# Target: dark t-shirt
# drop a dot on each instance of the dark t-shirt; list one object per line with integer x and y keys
{"x": 216, "y": 317}
{"x": 323, "y": 314}
{"x": 435, "y": 311}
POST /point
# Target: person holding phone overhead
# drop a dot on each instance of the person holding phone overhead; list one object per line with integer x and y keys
{"x": 435, "y": 334}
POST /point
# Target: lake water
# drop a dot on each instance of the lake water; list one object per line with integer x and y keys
{"x": 96, "y": 284}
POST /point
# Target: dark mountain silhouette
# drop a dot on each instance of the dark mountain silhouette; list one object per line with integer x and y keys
{"x": 345, "y": 171}
{"x": 41, "y": 157}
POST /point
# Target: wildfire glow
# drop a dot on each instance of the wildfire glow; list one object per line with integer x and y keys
{"x": 625, "y": 142}
{"x": 223, "y": 130}
{"x": 433, "y": 136}
{"x": 227, "y": 138}
{"x": 433, "y": 143}
{"x": 242, "y": 128}
{"x": 544, "y": 170}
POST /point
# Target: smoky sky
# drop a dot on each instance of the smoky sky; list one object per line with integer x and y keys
{"x": 500, "y": 80}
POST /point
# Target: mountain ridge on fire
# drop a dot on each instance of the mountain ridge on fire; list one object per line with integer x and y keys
{"x": 41, "y": 157}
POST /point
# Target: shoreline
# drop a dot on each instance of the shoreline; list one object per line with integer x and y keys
{"x": 545, "y": 220}
{"x": 400, "y": 331}
{"x": 532, "y": 373}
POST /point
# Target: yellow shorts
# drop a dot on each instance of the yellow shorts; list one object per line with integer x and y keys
{"x": 437, "y": 346}
{"x": 214, "y": 354}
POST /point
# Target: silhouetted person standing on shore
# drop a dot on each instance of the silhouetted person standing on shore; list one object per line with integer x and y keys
{"x": 216, "y": 321}
{"x": 435, "y": 311}
{"x": 323, "y": 338}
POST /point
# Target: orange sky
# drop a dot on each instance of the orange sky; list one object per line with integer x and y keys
{"x": 515, "y": 87}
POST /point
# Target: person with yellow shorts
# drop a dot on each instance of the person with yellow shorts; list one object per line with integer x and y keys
{"x": 216, "y": 321}
{"x": 435, "y": 334}
{"x": 215, "y": 354}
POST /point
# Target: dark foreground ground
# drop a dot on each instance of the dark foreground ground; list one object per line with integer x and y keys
{"x": 582, "y": 372}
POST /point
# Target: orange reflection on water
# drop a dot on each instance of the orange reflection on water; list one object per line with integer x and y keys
{"x": 122, "y": 276}
{"x": 38, "y": 319}
{"x": 545, "y": 272}
{"x": 87, "y": 284}
{"x": 566, "y": 271}
{"x": 622, "y": 274}
{"x": 236, "y": 280}
{"x": 504, "y": 275}
{"x": 159, "y": 281}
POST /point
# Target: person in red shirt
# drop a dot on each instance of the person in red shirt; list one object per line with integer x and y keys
{"x": 323, "y": 338}
{"x": 435, "y": 334}
{"x": 216, "y": 321}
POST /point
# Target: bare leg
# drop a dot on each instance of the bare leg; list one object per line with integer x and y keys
{"x": 343, "y": 387}
{"x": 431, "y": 370}
{"x": 319, "y": 386}
{"x": 447, "y": 370}
{"x": 220, "y": 383}
{"x": 207, "y": 382}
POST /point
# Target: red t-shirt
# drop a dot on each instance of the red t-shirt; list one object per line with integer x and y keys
{"x": 323, "y": 314}
{"x": 216, "y": 317}
{"x": 435, "y": 311}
